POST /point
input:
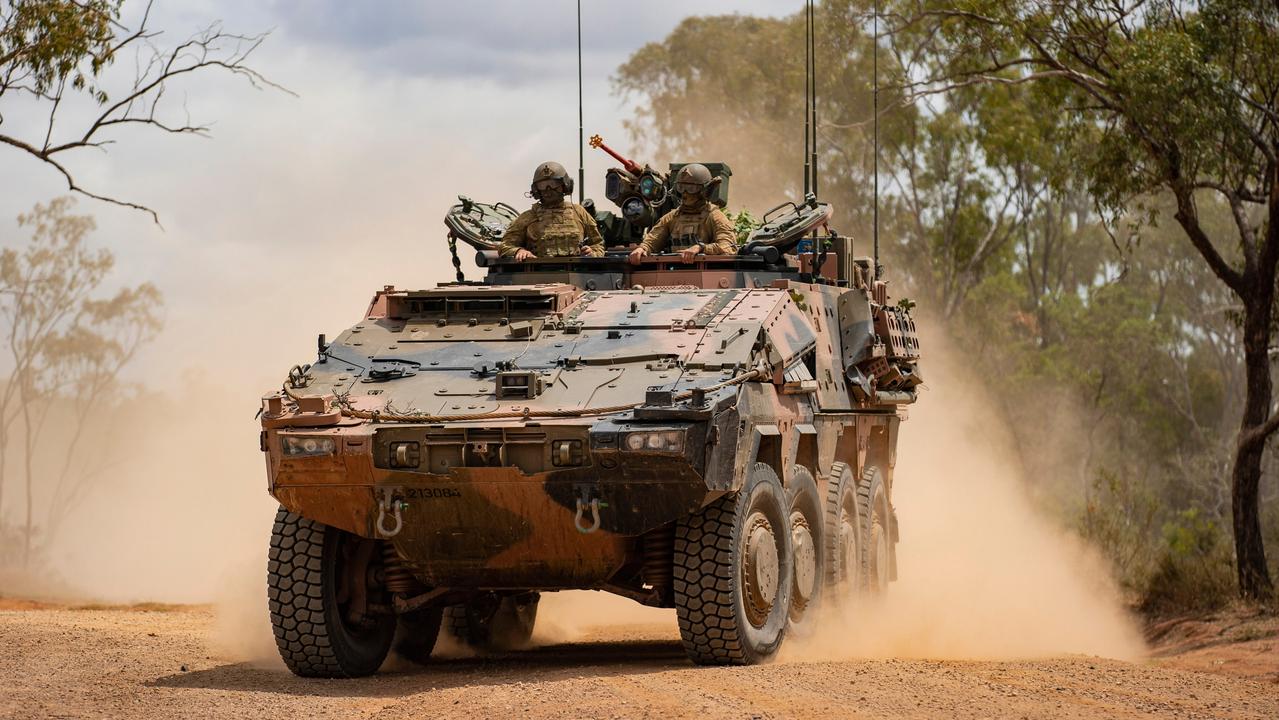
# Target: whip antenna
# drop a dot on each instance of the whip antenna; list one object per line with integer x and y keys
{"x": 808, "y": 64}
{"x": 875, "y": 109}
{"x": 812, "y": 61}
{"x": 581, "y": 148}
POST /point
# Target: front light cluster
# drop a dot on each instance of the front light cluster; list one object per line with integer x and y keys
{"x": 307, "y": 446}
{"x": 671, "y": 441}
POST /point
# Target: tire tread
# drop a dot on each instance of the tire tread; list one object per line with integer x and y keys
{"x": 703, "y": 582}
{"x": 872, "y": 478}
{"x": 295, "y": 588}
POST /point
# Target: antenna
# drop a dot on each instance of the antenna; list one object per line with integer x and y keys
{"x": 808, "y": 65}
{"x": 875, "y": 109}
{"x": 581, "y": 147}
{"x": 812, "y": 55}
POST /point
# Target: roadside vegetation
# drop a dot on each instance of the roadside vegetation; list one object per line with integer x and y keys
{"x": 1084, "y": 198}
{"x": 79, "y": 77}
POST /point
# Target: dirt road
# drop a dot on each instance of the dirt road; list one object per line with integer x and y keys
{"x": 163, "y": 663}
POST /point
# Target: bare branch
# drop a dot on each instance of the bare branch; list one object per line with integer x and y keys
{"x": 142, "y": 104}
{"x": 71, "y": 182}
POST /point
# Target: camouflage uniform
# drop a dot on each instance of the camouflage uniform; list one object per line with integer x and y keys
{"x": 704, "y": 225}
{"x": 555, "y": 231}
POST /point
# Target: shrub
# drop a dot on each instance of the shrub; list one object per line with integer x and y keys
{"x": 1195, "y": 569}
{"x": 1119, "y": 518}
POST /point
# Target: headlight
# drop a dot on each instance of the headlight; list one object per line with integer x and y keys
{"x": 633, "y": 209}
{"x": 667, "y": 441}
{"x": 307, "y": 446}
{"x": 648, "y": 186}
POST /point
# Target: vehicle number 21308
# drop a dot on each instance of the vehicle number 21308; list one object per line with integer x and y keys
{"x": 431, "y": 493}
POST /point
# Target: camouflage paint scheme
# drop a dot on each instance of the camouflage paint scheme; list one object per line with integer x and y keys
{"x": 496, "y": 503}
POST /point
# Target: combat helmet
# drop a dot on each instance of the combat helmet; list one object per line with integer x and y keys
{"x": 694, "y": 179}
{"x": 552, "y": 171}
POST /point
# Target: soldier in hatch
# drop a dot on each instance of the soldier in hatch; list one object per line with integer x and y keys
{"x": 696, "y": 226}
{"x": 553, "y": 227}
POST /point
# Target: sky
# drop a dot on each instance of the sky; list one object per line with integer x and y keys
{"x": 282, "y": 224}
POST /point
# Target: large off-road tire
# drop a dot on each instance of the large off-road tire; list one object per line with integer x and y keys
{"x": 416, "y": 633}
{"x": 808, "y": 548}
{"x": 845, "y": 561}
{"x": 876, "y": 519}
{"x": 733, "y": 568}
{"x": 309, "y": 571}
{"x": 494, "y": 624}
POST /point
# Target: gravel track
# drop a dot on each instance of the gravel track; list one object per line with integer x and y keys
{"x": 65, "y": 663}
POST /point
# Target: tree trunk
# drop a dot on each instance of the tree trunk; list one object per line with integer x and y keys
{"x": 4, "y": 458}
{"x": 26, "y": 459}
{"x": 1250, "y": 553}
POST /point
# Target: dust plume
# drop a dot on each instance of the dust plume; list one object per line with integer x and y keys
{"x": 981, "y": 573}
{"x": 577, "y": 616}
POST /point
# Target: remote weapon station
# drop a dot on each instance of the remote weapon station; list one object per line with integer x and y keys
{"x": 715, "y": 436}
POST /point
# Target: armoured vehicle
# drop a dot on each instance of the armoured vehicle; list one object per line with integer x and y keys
{"x": 716, "y": 436}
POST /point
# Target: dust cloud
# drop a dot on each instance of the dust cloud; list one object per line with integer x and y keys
{"x": 981, "y": 573}
{"x": 580, "y": 615}
{"x": 182, "y": 513}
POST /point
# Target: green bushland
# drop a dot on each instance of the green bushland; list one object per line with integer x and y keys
{"x": 1048, "y": 235}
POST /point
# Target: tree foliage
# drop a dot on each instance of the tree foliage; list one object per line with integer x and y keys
{"x": 67, "y": 339}
{"x": 1185, "y": 98}
{"x": 57, "y": 58}
{"x": 1043, "y": 166}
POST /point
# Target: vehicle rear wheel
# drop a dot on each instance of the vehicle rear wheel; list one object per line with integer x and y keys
{"x": 733, "y": 565}
{"x": 876, "y": 514}
{"x": 321, "y": 595}
{"x": 808, "y": 545}
{"x": 416, "y": 633}
{"x": 494, "y": 623}
{"x": 843, "y": 534}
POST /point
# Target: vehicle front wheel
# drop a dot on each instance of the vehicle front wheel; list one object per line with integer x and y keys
{"x": 329, "y": 619}
{"x": 733, "y": 574}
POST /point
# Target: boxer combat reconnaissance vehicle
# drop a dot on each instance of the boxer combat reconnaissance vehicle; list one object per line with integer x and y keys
{"x": 716, "y": 436}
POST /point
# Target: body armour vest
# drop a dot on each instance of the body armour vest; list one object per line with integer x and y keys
{"x": 688, "y": 228}
{"x": 556, "y": 232}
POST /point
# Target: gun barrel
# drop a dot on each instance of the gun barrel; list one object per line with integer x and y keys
{"x": 630, "y": 165}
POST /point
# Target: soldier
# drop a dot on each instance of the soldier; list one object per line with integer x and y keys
{"x": 696, "y": 226}
{"x": 552, "y": 228}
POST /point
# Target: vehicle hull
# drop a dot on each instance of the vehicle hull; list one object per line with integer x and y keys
{"x": 494, "y": 528}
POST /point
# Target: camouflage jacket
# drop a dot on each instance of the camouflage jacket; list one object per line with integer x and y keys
{"x": 557, "y": 231}
{"x": 706, "y": 226}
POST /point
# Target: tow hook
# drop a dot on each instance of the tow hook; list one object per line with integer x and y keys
{"x": 390, "y": 504}
{"x": 584, "y": 502}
